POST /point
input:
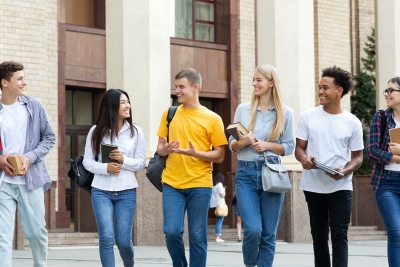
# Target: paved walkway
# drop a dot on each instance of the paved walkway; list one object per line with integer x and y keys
{"x": 361, "y": 254}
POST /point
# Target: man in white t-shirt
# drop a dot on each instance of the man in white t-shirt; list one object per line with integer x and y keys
{"x": 327, "y": 134}
{"x": 25, "y": 132}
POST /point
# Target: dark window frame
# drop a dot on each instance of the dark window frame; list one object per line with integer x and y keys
{"x": 195, "y": 21}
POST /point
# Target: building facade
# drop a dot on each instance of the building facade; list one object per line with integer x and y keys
{"x": 74, "y": 50}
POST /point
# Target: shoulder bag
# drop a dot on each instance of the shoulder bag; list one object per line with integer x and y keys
{"x": 275, "y": 177}
{"x": 221, "y": 210}
{"x": 157, "y": 162}
{"x": 81, "y": 177}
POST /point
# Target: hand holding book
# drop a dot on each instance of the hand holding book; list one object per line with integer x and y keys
{"x": 106, "y": 150}
{"x": 234, "y": 127}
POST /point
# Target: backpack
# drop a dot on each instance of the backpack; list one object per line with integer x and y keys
{"x": 157, "y": 162}
{"x": 383, "y": 125}
{"x": 81, "y": 177}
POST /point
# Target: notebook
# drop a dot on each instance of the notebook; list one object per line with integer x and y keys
{"x": 105, "y": 153}
{"x": 16, "y": 163}
{"x": 394, "y": 135}
{"x": 326, "y": 168}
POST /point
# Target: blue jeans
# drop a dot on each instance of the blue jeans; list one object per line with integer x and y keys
{"x": 31, "y": 212}
{"x": 388, "y": 200}
{"x": 218, "y": 224}
{"x": 260, "y": 212}
{"x": 119, "y": 206}
{"x": 196, "y": 202}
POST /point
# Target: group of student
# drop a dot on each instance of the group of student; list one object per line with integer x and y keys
{"x": 193, "y": 141}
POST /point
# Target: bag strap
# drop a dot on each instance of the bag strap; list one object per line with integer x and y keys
{"x": 170, "y": 116}
{"x": 383, "y": 125}
{"x": 267, "y": 156}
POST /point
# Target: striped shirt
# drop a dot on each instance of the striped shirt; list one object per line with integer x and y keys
{"x": 40, "y": 139}
{"x": 376, "y": 153}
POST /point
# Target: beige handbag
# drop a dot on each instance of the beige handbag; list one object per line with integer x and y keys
{"x": 221, "y": 210}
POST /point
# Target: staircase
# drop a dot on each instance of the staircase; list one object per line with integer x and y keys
{"x": 227, "y": 234}
{"x": 70, "y": 239}
{"x": 364, "y": 233}
{"x": 355, "y": 233}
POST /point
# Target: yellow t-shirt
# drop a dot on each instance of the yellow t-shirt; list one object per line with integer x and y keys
{"x": 206, "y": 130}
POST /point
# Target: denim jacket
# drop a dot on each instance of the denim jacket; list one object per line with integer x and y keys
{"x": 40, "y": 139}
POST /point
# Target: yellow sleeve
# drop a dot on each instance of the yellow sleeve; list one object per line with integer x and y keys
{"x": 218, "y": 137}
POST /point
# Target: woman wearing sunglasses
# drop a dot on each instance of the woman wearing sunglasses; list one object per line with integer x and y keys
{"x": 386, "y": 177}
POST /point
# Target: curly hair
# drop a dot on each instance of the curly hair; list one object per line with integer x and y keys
{"x": 342, "y": 78}
{"x": 7, "y": 69}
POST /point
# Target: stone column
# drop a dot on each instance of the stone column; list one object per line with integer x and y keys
{"x": 387, "y": 48}
{"x": 285, "y": 39}
{"x": 246, "y": 48}
{"x": 138, "y": 61}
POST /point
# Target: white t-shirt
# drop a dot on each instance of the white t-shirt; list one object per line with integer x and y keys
{"x": 393, "y": 166}
{"x": 14, "y": 126}
{"x": 330, "y": 138}
{"x": 216, "y": 198}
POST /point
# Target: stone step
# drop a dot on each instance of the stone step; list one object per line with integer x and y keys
{"x": 355, "y": 233}
{"x": 70, "y": 239}
{"x": 362, "y": 233}
{"x": 367, "y": 237}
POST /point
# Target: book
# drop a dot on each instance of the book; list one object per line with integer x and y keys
{"x": 232, "y": 129}
{"x": 16, "y": 163}
{"x": 326, "y": 168}
{"x": 394, "y": 135}
{"x": 105, "y": 153}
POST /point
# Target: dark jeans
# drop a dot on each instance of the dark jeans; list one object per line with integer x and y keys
{"x": 329, "y": 211}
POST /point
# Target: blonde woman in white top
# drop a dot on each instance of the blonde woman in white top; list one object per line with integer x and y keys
{"x": 271, "y": 131}
{"x": 114, "y": 184}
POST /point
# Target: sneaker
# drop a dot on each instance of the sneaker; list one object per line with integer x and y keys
{"x": 219, "y": 240}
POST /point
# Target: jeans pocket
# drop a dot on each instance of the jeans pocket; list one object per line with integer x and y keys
{"x": 240, "y": 166}
{"x": 385, "y": 176}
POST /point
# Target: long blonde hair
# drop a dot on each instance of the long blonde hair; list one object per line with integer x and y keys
{"x": 277, "y": 129}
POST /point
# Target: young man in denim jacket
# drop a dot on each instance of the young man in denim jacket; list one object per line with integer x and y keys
{"x": 26, "y": 132}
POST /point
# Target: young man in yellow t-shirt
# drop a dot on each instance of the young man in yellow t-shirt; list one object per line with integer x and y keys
{"x": 196, "y": 140}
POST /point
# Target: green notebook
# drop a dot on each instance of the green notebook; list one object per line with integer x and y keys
{"x": 105, "y": 153}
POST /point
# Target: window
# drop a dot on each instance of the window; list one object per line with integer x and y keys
{"x": 193, "y": 19}
{"x": 88, "y": 13}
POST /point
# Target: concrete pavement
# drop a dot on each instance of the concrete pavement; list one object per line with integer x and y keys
{"x": 361, "y": 254}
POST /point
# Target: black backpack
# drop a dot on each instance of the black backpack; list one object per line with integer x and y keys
{"x": 81, "y": 177}
{"x": 383, "y": 125}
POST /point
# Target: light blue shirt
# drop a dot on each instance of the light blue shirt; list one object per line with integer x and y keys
{"x": 261, "y": 130}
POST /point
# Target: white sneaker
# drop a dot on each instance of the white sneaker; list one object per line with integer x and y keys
{"x": 219, "y": 240}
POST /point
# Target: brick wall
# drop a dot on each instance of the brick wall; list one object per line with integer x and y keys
{"x": 366, "y": 13}
{"x": 246, "y": 49}
{"x": 28, "y": 34}
{"x": 332, "y": 38}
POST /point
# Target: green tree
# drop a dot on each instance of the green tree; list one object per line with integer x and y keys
{"x": 363, "y": 102}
